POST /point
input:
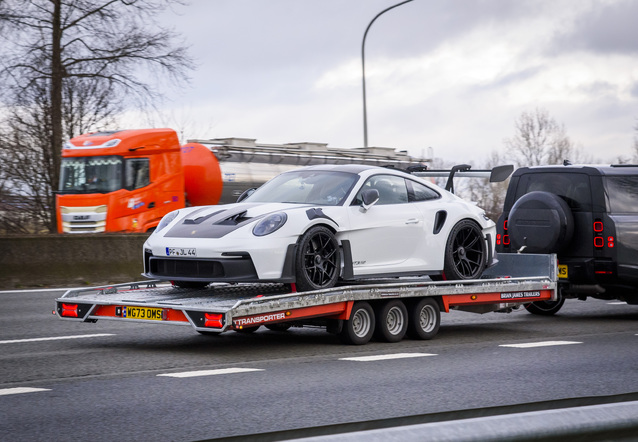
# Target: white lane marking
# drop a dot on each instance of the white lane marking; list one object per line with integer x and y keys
{"x": 386, "y": 357}
{"x": 191, "y": 374}
{"x": 540, "y": 344}
{"x": 55, "y": 338}
{"x": 19, "y": 390}
{"x": 617, "y": 303}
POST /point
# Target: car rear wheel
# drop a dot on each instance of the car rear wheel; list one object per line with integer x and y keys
{"x": 465, "y": 253}
{"x": 318, "y": 260}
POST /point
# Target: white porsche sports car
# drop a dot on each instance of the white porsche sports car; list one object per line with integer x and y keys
{"x": 317, "y": 225}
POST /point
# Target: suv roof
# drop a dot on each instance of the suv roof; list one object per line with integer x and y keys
{"x": 589, "y": 169}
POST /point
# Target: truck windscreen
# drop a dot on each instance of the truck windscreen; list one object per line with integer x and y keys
{"x": 101, "y": 174}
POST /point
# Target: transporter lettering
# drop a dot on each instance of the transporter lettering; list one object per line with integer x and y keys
{"x": 251, "y": 320}
{"x": 516, "y": 295}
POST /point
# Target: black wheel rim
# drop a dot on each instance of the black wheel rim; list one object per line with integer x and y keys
{"x": 468, "y": 252}
{"x": 320, "y": 259}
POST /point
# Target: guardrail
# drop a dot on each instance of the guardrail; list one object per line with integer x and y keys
{"x": 28, "y": 261}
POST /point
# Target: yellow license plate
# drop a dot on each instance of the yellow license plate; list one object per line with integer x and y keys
{"x": 153, "y": 314}
{"x": 562, "y": 271}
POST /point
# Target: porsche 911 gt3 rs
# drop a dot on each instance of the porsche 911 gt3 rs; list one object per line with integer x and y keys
{"x": 318, "y": 225}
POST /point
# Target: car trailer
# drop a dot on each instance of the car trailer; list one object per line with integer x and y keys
{"x": 387, "y": 309}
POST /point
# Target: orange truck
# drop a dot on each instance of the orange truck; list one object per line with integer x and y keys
{"x": 127, "y": 180}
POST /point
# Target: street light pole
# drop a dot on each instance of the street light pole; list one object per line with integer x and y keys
{"x": 363, "y": 71}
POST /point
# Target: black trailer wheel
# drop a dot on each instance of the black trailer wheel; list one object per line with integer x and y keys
{"x": 359, "y": 328}
{"x": 247, "y": 330}
{"x": 391, "y": 321}
{"x": 465, "y": 253}
{"x": 279, "y": 327}
{"x": 318, "y": 261}
{"x": 546, "y": 308}
{"x": 424, "y": 319}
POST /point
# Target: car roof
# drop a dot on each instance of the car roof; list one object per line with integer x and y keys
{"x": 589, "y": 169}
{"x": 354, "y": 168}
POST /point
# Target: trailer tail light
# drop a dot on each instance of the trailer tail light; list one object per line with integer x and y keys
{"x": 214, "y": 320}
{"x": 69, "y": 310}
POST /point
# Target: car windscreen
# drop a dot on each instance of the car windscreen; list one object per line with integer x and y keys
{"x": 574, "y": 188}
{"x": 622, "y": 194}
{"x": 99, "y": 174}
{"x": 320, "y": 187}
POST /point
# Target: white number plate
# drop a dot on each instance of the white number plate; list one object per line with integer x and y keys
{"x": 178, "y": 251}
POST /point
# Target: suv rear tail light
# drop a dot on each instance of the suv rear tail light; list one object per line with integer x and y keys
{"x": 599, "y": 242}
{"x": 598, "y": 226}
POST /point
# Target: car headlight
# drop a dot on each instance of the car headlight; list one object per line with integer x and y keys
{"x": 166, "y": 220}
{"x": 270, "y": 224}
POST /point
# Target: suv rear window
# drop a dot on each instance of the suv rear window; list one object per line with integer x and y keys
{"x": 574, "y": 188}
{"x": 622, "y": 193}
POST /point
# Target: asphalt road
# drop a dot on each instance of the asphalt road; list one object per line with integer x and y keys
{"x": 62, "y": 380}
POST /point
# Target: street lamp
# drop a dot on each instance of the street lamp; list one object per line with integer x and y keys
{"x": 363, "y": 70}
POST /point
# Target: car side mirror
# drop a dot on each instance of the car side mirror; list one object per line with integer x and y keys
{"x": 245, "y": 194}
{"x": 369, "y": 198}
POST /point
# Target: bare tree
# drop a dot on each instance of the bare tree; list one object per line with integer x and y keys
{"x": 72, "y": 64}
{"x": 539, "y": 140}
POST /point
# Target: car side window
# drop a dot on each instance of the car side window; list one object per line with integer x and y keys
{"x": 420, "y": 192}
{"x": 392, "y": 189}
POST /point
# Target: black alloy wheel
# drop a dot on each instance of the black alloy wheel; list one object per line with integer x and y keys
{"x": 318, "y": 261}
{"x": 465, "y": 253}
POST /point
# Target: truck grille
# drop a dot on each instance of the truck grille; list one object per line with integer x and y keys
{"x": 90, "y": 219}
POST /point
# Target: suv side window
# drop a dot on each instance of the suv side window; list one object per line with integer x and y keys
{"x": 574, "y": 188}
{"x": 622, "y": 193}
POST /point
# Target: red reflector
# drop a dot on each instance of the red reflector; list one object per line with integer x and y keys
{"x": 604, "y": 272}
{"x": 70, "y": 310}
{"x": 506, "y": 240}
{"x": 598, "y": 226}
{"x": 498, "y": 239}
{"x": 599, "y": 241}
{"x": 213, "y": 320}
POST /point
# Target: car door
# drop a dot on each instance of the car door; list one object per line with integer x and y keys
{"x": 385, "y": 238}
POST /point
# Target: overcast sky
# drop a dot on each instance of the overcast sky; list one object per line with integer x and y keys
{"x": 453, "y": 75}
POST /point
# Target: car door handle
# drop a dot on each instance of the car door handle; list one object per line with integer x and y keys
{"x": 413, "y": 221}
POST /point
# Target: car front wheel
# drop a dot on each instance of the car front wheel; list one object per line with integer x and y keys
{"x": 318, "y": 261}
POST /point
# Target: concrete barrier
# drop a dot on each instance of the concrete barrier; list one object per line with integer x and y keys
{"x": 69, "y": 260}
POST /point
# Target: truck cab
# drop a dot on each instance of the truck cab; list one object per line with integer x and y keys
{"x": 119, "y": 181}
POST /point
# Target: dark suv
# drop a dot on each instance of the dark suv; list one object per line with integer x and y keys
{"x": 588, "y": 216}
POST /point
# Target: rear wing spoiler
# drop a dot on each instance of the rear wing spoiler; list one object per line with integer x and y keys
{"x": 496, "y": 174}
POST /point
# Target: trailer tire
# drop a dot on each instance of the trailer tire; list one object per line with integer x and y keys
{"x": 318, "y": 261}
{"x": 392, "y": 321}
{"x": 358, "y": 330}
{"x": 279, "y": 327}
{"x": 424, "y": 319}
{"x": 247, "y": 330}
{"x": 465, "y": 252}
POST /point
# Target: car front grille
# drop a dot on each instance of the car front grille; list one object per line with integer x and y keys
{"x": 186, "y": 268}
